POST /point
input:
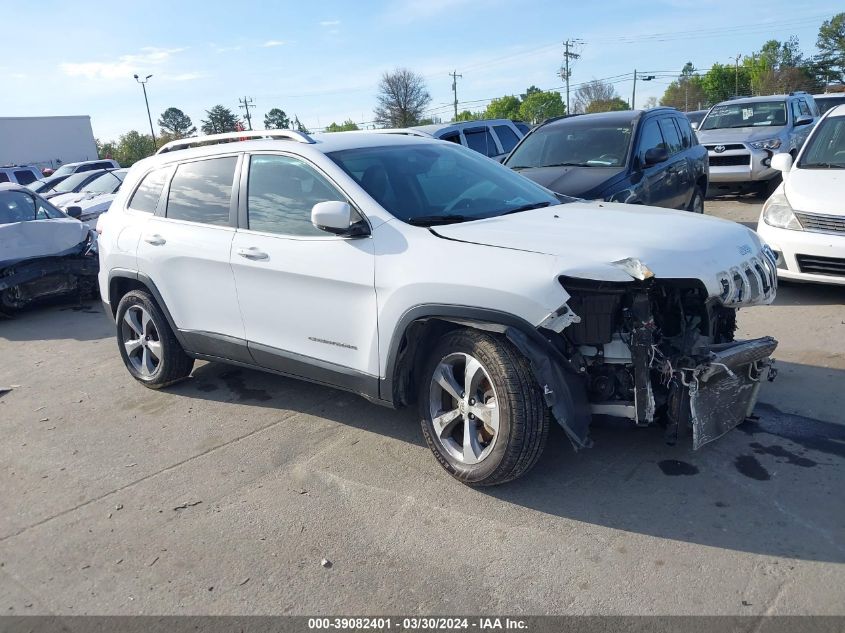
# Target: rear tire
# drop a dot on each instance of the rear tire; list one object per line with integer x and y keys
{"x": 478, "y": 383}
{"x": 147, "y": 345}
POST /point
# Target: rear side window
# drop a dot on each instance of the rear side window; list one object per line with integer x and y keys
{"x": 481, "y": 141}
{"x": 507, "y": 137}
{"x": 650, "y": 138}
{"x": 202, "y": 191}
{"x": 147, "y": 194}
{"x": 24, "y": 177}
{"x": 686, "y": 132}
{"x": 670, "y": 135}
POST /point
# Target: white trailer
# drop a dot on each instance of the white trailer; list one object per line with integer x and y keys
{"x": 46, "y": 141}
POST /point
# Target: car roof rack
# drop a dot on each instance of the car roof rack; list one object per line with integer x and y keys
{"x": 228, "y": 137}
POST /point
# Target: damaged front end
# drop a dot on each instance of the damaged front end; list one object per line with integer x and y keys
{"x": 662, "y": 351}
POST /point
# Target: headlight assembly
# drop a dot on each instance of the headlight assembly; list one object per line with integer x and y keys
{"x": 771, "y": 144}
{"x": 778, "y": 212}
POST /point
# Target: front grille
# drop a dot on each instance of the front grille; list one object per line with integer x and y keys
{"x": 730, "y": 161}
{"x": 821, "y": 265}
{"x": 752, "y": 281}
{"x": 821, "y": 223}
{"x": 712, "y": 148}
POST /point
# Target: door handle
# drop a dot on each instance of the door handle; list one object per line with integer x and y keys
{"x": 253, "y": 253}
{"x": 155, "y": 240}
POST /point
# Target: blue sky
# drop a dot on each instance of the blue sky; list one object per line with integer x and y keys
{"x": 322, "y": 60}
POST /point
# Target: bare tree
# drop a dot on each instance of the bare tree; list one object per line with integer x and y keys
{"x": 595, "y": 90}
{"x": 402, "y": 97}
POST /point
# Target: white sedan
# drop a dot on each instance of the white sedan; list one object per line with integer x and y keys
{"x": 804, "y": 219}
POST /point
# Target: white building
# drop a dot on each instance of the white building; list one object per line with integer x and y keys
{"x": 46, "y": 141}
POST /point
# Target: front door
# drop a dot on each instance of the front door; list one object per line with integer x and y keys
{"x": 307, "y": 297}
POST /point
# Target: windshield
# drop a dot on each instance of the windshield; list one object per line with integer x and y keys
{"x": 755, "y": 114}
{"x": 107, "y": 183}
{"x": 826, "y": 102}
{"x": 577, "y": 142}
{"x": 826, "y": 147}
{"x": 431, "y": 183}
{"x": 19, "y": 206}
{"x": 65, "y": 170}
{"x": 72, "y": 183}
{"x": 36, "y": 185}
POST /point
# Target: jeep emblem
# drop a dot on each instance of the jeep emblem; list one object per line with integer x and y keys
{"x": 719, "y": 149}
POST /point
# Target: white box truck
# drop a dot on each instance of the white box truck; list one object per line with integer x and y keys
{"x": 46, "y": 141}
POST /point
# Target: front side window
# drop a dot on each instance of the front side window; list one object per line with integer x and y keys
{"x": 750, "y": 114}
{"x": 670, "y": 135}
{"x": 281, "y": 192}
{"x": 481, "y": 141}
{"x": 17, "y": 206}
{"x": 439, "y": 183}
{"x": 804, "y": 108}
{"x": 650, "y": 138}
{"x": 507, "y": 137}
{"x": 147, "y": 194}
{"x": 201, "y": 191}
{"x": 24, "y": 177}
{"x": 574, "y": 143}
{"x": 826, "y": 147}
{"x": 4, "y": 177}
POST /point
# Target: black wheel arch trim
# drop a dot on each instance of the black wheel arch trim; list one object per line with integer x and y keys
{"x": 563, "y": 389}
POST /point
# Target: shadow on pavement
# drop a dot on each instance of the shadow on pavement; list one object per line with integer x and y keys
{"x": 792, "y": 293}
{"x": 37, "y": 322}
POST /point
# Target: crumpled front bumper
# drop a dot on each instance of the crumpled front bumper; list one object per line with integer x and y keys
{"x": 724, "y": 389}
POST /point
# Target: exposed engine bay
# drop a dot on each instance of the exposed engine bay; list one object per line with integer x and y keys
{"x": 659, "y": 351}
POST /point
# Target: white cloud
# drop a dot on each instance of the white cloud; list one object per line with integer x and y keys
{"x": 330, "y": 23}
{"x": 125, "y": 66}
{"x": 271, "y": 43}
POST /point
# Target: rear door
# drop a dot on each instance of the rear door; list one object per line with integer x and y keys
{"x": 307, "y": 297}
{"x": 677, "y": 181}
{"x": 185, "y": 250}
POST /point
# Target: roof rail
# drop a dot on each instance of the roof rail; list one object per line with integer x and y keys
{"x": 229, "y": 137}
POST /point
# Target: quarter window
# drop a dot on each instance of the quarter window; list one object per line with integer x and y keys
{"x": 147, "y": 194}
{"x": 201, "y": 191}
{"x": 670, "y": 135}
{"x": 506, "y": 137}
{"x": 281, "y": 193}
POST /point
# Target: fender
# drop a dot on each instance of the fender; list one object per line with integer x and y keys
{"x": 563, "y": 389}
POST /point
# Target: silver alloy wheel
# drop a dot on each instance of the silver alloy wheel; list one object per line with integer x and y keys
{"x": 464, "y": 408}
{"x": 698, "y": 203}
{"x": 141, "y": 340}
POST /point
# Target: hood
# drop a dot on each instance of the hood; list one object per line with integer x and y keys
{"x": 738, "y": 135}
{"x": 39, "y": 238}
{"x": 587, "y": 237}
{"x": 816, "y": 190}
{"x": 571, "y": 181}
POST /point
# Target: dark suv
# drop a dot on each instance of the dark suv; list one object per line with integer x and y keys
{"x": 636, "y": 156}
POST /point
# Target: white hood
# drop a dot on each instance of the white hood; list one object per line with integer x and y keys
{"x": 587, "y": 238}
{"x": 816, "y": 190}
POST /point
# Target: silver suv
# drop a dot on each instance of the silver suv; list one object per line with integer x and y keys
{"x": 742, "y": 135}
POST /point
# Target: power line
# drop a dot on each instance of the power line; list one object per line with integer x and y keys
{"x": 246, "y": 103}
{"x": 455, "y": 76}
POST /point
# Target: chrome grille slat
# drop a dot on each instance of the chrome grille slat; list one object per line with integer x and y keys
{"x": 753, "y": 280}
{"x": 820, "y": 223}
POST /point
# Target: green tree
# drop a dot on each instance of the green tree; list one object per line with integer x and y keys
{"x": 132, "y": 147}
{"x": 176, "y": 124}
{"x": 831, "y": 45}
{"x": 779, "y": 67}
{"x": 539, "y": 106}
{"x": 687, "y": 91}
{"x": 346, "y": 126}
{"x": 607, "y": 105}
{"x": 296, "y": 124}
{"x": 107, "y": 149}
{"x": 276, "y": 119}
{"x": 402, "y": 97}
{"x": 466, "y": 115}
{"x": 721, "y": 83}
{"x": 220, "y": 119}
{"x": 595, "y": 90}
{"x": 531, "y": 90}
{"x": 506, "y": 107}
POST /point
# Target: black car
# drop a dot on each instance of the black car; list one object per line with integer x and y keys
{"x": 636, "y": 156}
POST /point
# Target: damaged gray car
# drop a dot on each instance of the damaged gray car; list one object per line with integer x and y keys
{"x": 43, "y": 251}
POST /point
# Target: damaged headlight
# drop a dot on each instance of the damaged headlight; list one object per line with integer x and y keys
{"x": 777, "y": 212}
{"x": 771, "y": 143}
{"x": 635, "y": 268}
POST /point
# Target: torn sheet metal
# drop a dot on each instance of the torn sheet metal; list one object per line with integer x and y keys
{"x": 39, "y": 238}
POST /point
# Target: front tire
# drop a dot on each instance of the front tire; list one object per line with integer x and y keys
{"x": 482, "y": 413}
{"x": 696, "y": 204}
{"x": 147, "y": 345}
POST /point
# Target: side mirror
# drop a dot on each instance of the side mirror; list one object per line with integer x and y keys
{"x": 336, "y": 217}
{"x": 782, "y": 162}
{"x": 804, "y": 120}
{"x": 694, "y": 125}
{"x": 74, "y": 212}
{"x": 656, "y": 155}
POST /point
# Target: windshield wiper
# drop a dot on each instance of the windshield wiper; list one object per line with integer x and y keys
{"x": 526, "y": 207}
{"x": 566, "y": 165}
{"x": 431, "y": 220}
{"x": 823, "y": 166}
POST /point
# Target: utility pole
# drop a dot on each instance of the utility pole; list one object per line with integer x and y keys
{"x": 144, "y": 87}
{"x": 736, "y": 77}
{"x": 246, "y": 103}
{"x": 634, "y": 93}
{"x": 566, "y": 72}
{"x": 454, "y": 75}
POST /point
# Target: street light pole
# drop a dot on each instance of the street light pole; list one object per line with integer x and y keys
{"x": 146, "y": 101}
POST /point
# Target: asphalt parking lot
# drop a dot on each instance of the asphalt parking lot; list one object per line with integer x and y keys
{"x": 223, "y": 494}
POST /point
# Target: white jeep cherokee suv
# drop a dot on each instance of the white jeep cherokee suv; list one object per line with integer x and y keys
{"x": 410, "y": 270}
